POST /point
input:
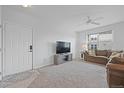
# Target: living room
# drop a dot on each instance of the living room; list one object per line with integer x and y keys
{"x": 29, "y": 39}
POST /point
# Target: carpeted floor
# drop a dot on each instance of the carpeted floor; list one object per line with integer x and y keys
{"x": 68, "y": 75}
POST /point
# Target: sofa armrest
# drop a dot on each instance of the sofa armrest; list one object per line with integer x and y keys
{"x": 86, "y": 55}
{"x": 117, "y": 67}
{"x": 115, "y": 74}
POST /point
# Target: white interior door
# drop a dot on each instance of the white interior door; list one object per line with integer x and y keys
{"x": 18, "y": 53}
{"x": 0, "y": 44}
{"x": 0, "y": 53}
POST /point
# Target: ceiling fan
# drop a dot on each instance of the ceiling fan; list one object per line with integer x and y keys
{"x": 92, "y": 21}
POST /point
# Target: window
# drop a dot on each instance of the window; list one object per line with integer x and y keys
{"x": 92, "y": 41}
{"x": 105, "y": 36}
{"x": 100, "y": 40}
{"x": 93, "y": 37}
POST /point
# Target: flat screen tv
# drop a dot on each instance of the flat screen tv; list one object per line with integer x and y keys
{"x": 62, "y": 47}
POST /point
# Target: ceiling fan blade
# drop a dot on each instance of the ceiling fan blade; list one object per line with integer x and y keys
{"x": 95, "y": 23}
{"x": 91, "y": 21}
{"x": 98, "y": 18}
{"x": 88, "y": 17}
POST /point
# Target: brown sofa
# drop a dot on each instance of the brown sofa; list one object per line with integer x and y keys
{"x": 114, "y": 66}
{"x": 115, "y": 72}
{"x": 101, "y": 56}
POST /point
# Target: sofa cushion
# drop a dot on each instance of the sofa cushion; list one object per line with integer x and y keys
{"x": 117, "y": 60}
{"x": 102, "y": 57}
{"x": 101, "y": 52}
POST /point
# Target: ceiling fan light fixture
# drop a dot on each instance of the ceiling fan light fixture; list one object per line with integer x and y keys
{"x": 90, "y": 20}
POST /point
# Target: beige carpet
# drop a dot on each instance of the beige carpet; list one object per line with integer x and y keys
{"x": 76, "y": 74}
{"x": 71, "y": 75}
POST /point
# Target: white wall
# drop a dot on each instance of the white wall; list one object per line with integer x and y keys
{"x": 44, "y": 46}
{"x": 118, "y": 36}
{"x": 0, "y": 46}
{"x": 45, "y": 34}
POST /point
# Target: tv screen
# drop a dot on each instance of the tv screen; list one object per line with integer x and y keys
{"x": 62, "y": 47}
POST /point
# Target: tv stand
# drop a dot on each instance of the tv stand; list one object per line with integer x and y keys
{"x": 62, "y": 58}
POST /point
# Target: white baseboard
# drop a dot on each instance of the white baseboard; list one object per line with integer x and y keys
{"x": 36, "y": 67}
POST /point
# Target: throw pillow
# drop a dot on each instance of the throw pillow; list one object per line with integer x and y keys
{"x": 115, "y": 54}
{"x": 109, "y": 52}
